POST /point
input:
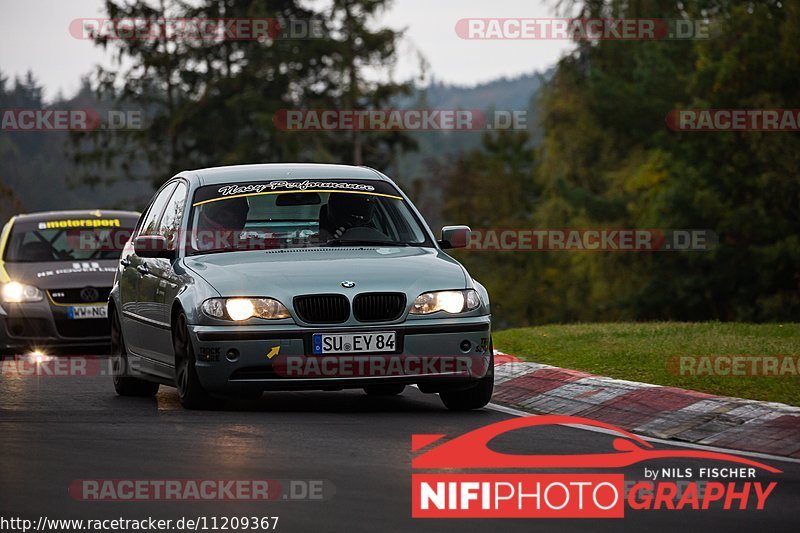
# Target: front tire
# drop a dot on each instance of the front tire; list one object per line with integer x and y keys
{"x": 124, "y": 383}
{"x": 476, "y": 396}
{"x": 190, "y": 391}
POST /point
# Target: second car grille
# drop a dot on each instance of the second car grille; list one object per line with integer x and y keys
{"x": 379, "y": 306}
{"x": 322, "y": 308}
{"x": 80, "y": 296}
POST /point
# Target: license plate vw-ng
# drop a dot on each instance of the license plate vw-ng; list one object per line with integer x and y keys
{"x": 379, "y": 341}
{"x": 88, "y": 311}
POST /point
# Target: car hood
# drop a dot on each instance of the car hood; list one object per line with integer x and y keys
{"x": 286, "y": 273}
{"x": 64, "y": 274}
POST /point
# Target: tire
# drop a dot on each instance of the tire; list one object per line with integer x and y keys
{"x": 190, "y": 391}
{"x": 124, "y": 383}
{"x": 384, "y": 390}
{"x": 476, "y": 396}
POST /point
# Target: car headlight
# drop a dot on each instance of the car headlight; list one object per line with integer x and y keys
{"x": 15, "y": 292}
{"x": 448, "y": 301}
{"x": 243, "y": 308}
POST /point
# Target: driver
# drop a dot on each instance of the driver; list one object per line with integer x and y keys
{"x": 220, "y": 223}
{"x": 345, "y": 211}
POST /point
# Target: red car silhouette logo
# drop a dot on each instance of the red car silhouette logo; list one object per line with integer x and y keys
{"x": 470, "y": 450}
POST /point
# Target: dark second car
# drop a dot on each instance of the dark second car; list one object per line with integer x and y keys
{"x": 56, "y": 271}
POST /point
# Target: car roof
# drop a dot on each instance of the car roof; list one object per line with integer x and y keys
{"x": 272, "y": 171}
{"x": 44, "y": 216}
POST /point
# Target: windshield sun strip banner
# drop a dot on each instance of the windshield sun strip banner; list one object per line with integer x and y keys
{"x": 67, "y": 223}
{"x": 73, "y": 224}
{"x": 214, "y": 193}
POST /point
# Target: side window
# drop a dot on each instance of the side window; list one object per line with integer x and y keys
{"x": 150, "y": 224}
{"x": 173, "y": 214}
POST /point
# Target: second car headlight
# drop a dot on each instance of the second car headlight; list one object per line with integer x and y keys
{"x": 448, "y": 301}
{"x": 15, "y": 292}
{"x": 239, "y": 309}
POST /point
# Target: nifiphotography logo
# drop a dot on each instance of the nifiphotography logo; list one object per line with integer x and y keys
{"x": 499, "y": 490}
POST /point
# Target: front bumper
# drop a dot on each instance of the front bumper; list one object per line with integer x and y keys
{"x": 430, "y": 353}
{"x": 47, "y": 327}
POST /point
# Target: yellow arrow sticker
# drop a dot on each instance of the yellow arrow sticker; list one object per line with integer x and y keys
{"x": 274, "y": 351}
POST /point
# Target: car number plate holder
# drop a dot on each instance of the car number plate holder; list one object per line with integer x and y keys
{"x": 353, "y": 343}
{"x": 78, "y": 312}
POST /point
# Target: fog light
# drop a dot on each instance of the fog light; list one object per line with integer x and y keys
{"x": 466, "y": 346}
{"x": 39, "y": 357}
{"x": 232, "y": 355}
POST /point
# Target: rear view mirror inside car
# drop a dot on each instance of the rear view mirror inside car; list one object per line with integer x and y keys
{"x": 298, "y": 198}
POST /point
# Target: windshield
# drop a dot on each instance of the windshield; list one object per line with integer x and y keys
{"x": 68, "y": 239}
{"x": 292, "y": 214}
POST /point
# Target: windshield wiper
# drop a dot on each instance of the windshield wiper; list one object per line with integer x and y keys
{"x": 364, "y": 242}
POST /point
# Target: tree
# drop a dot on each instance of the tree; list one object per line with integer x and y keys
{"x": 212, "y": 102}
{"x": 608, "y": 160}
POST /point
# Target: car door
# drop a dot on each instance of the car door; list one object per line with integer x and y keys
{"x": 137, "y": 282}
{"x": 159, "y": 283}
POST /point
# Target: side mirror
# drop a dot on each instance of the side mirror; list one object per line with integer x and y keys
{"x": 152, "y": 246}
{"x": 455, "y": 237}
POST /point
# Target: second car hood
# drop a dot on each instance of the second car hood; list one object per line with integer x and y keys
{"x": 286, "y": 273}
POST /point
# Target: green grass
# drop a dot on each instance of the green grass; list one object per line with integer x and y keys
{"x": 640, "y": 352}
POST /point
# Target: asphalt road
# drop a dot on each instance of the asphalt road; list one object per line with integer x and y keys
{"x": 54, "y": 430}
